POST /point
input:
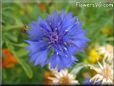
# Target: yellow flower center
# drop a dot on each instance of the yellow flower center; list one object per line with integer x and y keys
{"x": 64, "y": 80}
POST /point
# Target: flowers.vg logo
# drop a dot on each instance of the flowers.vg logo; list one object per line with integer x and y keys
{"x": 95, "y": 3}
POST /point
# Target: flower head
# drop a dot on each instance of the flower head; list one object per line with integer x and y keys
{"x": 42, "y": 6}
{"x": 107, "y": 51}
{"x": 9, "y": 61}
{"x": 94, "y": 56}
{"x": 87, "y": 81}
{"x": 56, "y": 39}
{"x": 47, "y": 74}
{"x": 63, "y": 78}
{"x": 104, "y": 73}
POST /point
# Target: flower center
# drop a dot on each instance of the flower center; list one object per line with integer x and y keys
{"x": 54, "y": 38}
{"x": 64, "y": 80}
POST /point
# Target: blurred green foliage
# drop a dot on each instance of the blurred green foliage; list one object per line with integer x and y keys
{"x": 97, "y": 21}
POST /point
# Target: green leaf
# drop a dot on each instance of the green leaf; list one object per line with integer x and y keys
{"x": 77, "y": 68}
{"x": 10, "y": 37}
{"x": 19, "y": 44}
{"x": 22, "y": 51}
{"x": 26, "y": 68}
{"x": 22, "y": 62}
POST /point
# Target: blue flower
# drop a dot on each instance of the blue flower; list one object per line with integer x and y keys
{"x": 55, "y": 40}
{"x": 87, "y": 81}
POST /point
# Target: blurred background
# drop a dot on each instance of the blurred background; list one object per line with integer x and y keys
{"x": 16, "y": 15}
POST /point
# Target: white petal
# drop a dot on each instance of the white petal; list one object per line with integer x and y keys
{"x": 100, "y": 77}
{"x": 57, "y": 76}
{"x": 60, "y": 74}
{"x": 95, "y": 77}
{"x": 71, "y": 76}
{"x": 64, "y": 72}
{"x": 109, "y": 81}
{"x": 74, "y": 82}
{"x": 53, "y": 79}
{"x": 100, "y": 65}
{"x": 104, "y": 81}
{"x": 98, "y": 70}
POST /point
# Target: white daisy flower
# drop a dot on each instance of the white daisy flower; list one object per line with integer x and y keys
{"x": 63, "y": 77}
{"x": 104, "y": 73}
{"x": 107, "y": 51}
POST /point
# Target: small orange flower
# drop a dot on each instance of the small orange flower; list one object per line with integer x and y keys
{"x": 42, "y": 6}
{"x": 9, "y": 60}
{"x": 47, "y": 74}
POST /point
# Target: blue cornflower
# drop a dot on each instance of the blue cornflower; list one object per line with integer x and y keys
{"x": 87, "y": 81}
{"x": 55, "y": 40}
